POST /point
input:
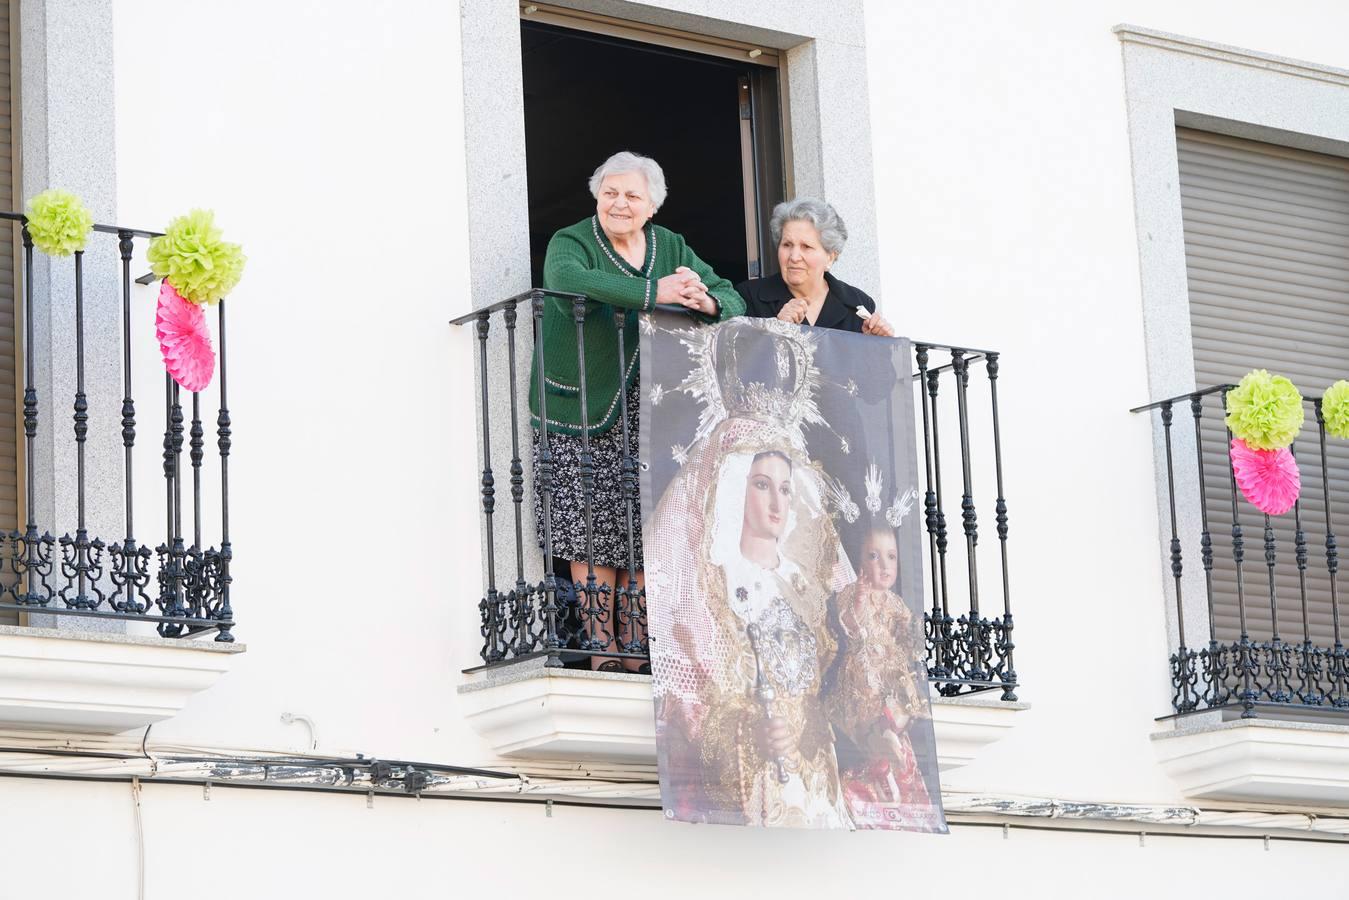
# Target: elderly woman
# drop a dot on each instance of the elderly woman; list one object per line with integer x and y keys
{"x": 620, "y": 260}
{"x": 810, "y": 236}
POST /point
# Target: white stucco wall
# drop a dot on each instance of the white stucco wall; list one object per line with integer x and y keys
{"x": 331, "y": 144}
{"x": 1006, "y": 212}
{"x": 285, "y": 845}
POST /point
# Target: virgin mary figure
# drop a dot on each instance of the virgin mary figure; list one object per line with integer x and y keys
{"x": 745, "y": 560}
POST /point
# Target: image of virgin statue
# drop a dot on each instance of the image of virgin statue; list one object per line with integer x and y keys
{"x": 749, "y": 561}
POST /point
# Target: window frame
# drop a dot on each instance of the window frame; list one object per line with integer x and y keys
{"x": 1172, "y": 81}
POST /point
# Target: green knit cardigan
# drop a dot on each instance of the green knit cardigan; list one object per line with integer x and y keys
{"x": 581, "y": 260}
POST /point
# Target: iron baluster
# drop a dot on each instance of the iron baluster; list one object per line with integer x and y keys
{"x": 491, "y": 603}
{"x": 196, "y": 580}
{"x": 521, "y": 612}
{"x": 132, "y": 578}
{"x": 944, "y": 627}
{"x": 78, "y": 556}
{"x": 626, "y": 596}
{"x": 172, "y": 553}
{"x": 1211, "y": 667}
{"x": 1308, "y": 666}
{"x": 545, "y": 486}
{"x": 938, "y": 668}
{"x": 974, "y": 627}
{"x": 197, "y": 443}
{"x": 225, "y": 611}
{"x": 1006, "y": 668}
{"x": 1182, "y": 663}
{"x": 594, "y": 617}
{"x": 1246, "y": 661}
{"x": 33, "y": 560}
{"x": 1338, "y": 693}
{"x": 1274, "y": 650}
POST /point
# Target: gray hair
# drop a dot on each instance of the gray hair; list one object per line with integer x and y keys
{"x": 833, "y": 233}
{"x": 626, "y": 161}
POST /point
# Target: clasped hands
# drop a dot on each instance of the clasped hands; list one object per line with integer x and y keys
{"x": 685, "y": 288}
{"x": 795, "y": 309}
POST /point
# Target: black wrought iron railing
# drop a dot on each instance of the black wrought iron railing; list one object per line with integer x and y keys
{"x": 1270, "y": 615}
{"x": 182, "y": 585}
{"x": 544, "y": 613}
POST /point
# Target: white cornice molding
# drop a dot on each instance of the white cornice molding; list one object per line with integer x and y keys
{"x": 1132, "y": 34}
{"x": 1258, "y": 761}
{"x": 101, "y": 683}
{"x": 526, "y": 711}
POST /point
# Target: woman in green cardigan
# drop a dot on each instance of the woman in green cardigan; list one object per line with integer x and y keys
{"x": 619, "y": 260}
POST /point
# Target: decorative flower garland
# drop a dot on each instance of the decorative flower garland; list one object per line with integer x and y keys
{"x": 184, "y": 340}
{"x": 197, "y": 265}
{"x": 1265, "y": 411}
{"x": 58, "y": 222}
{"x": 1268, "y": 478}
{"x": 192, "y": 257}
{"x": 1264, "y": 414}
{"x": 1335, "y": 409}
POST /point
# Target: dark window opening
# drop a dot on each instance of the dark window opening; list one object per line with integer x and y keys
{"x": 713, "y": 125}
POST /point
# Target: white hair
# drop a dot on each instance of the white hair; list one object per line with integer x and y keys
{"x": 626, "y": 161}
{"x": 833, "y": 233}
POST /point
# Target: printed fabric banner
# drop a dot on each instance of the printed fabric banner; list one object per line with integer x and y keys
{"x": 783, "y": 577}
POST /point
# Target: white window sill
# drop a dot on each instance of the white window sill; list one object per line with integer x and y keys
{"x": 101, "y": 683}
{"x": 526, "y": 711}
{"x": 1261, "y": 760}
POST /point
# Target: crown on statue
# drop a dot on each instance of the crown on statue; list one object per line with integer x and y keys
{"x": 845, "y": 508}
{"x": 763, "y": 373}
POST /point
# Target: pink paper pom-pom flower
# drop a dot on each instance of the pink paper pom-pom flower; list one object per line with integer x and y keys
{"x": 1267, "y": 478}
{"x": 184, "y": 340}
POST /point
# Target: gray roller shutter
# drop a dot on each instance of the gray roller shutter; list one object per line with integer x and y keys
{"x": 9, "y": 425}
{"x": 1267, "y": 257}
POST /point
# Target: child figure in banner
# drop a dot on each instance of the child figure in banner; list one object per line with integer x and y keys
{"x": 872, "y": 687}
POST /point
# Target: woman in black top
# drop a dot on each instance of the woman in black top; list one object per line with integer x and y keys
{"x": 810, "y": 235}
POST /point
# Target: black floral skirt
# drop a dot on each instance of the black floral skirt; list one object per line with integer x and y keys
{"x": 608, "y": 508}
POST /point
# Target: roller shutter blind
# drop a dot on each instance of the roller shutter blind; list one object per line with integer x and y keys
{"x": 9, "y": 430}
{"x": 1267, "y": 259}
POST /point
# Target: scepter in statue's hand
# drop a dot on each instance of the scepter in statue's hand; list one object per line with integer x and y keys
{"x": 765, "y": 695}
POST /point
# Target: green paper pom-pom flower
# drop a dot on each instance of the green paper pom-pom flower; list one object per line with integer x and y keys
{"x": 1265, "y": 410}
{"x": 1335, "y": 409}
{"x": 193, "y": 258}
{"x": 58, "y": 222}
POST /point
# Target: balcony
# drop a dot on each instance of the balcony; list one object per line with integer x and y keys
{"x": 534, "y": 694}
{"x": 110, "y": 625}
{"x": 1259, "y": 673}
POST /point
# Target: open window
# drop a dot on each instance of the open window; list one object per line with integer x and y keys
{"x": 707, "y": 111}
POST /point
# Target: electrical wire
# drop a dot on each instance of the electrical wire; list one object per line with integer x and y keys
{"x": 140, "y": 837}
{"x": 1031, "y": 825}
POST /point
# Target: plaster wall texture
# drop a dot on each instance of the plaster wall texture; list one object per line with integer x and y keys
{"x": 1005, "y": 208}
{"x": 442, "y": 848}
{"x": 1009, "y": 218}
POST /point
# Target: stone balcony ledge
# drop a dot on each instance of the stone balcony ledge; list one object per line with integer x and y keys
{"x": 101, "y": 683}
{"x": 524, "y": 711}
{"x": 1215, "y": 756}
